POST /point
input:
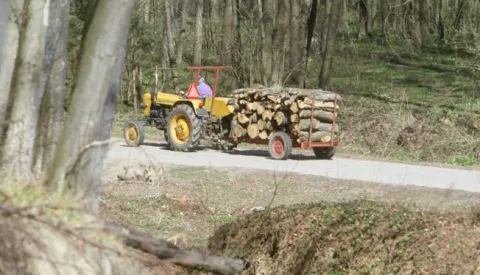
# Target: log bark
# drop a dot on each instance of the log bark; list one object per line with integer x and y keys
{"x": 242, "y": 118}
{"x": 316, "y": 125}
{"x": 239, "y": 131}
{"x": 261, "y": 124}
{"x": 252, "y": 130}
{"x": 316, "y": 136}
{"x": 318, "y": 105}
{"x": 321, "y": 115}
{"x": 280, "y": 118}
{"x": 263, "y": 135}
{"x": 267, "y": 115}
{"x": 294, "y": 118}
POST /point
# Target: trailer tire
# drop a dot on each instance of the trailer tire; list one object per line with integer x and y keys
{"x": 324, "y": 152}
{"x": 280, "y": 146}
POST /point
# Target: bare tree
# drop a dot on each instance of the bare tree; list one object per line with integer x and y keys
{"x": 266, "y": 11}
{"x": 334, "y": 20}
{"x": 279, "y": 40}
{"x": 228, "y": 35}
{"x": 197, "y": 52}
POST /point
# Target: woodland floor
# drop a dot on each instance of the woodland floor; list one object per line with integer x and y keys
{"x": 187, "y": 204}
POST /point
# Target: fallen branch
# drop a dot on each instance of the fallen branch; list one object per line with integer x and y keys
{"x": 165, "y": 250}
{"x": 136, "y": 239}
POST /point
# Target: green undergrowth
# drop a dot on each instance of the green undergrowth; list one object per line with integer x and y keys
{"x": 34, "y": 197}
{"x": 388, "y": 87}
{"x": 362, "y": 237}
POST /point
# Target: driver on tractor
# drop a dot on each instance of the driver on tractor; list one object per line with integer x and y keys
{"x": 204, "y": 89}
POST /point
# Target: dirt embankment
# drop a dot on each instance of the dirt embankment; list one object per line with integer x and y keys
{"x": 352, "y": 238}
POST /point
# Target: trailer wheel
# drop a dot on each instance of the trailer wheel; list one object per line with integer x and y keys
{"x": 280, "y": 146}
{"x": 324, "y": 152}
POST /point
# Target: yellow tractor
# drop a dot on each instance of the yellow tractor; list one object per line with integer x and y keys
{"x": 185, "y": 119}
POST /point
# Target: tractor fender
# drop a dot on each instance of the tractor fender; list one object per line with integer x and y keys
{"x": 199, "y": 112}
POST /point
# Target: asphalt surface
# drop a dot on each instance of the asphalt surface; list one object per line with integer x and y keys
{"x": 339, "y": 168}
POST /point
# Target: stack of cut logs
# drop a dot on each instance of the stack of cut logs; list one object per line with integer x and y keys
{"x": 261, "y": 111}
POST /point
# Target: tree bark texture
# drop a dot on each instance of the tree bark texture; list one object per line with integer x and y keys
{"x": 8, "y": 55}
{"x": 334, "y": 19}
{"x": 197, "y": 52}
{"x": 27, "y": 92}
{"x": 228, "y": 35}
{"x": 266, "y": 9}
{"x": 279, "y": 40}
{"x": 77, "y": 166}
{"x": 52, "y": 106}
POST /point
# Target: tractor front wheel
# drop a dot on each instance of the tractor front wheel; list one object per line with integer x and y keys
{"x": 133, "y": 133}
{"x": 184, "y": 128}
{"x": 280, "y": 146}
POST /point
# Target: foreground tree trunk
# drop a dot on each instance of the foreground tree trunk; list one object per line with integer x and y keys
{"x": 27, "y": 92}
{"x": 78, "y": 162}
{"x": 52, "y": 107}
{"x": 10, "y": 34}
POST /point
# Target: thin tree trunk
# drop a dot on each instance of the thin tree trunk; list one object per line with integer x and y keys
{"x": 52, "y": 106}
{"x": 27, "y": 92}
{"x": 169, "y": 32}
{"x": 181, "y": 33}
{"x": 78, "y": 162}
{"x": 197, "y": 52}
{"x": 295, "y": 40}
{"x": 424, "y": 19}
{"x": 228, "y": 38}
{"x": 385, "y": 13}
{"x": 334, "y": 20}
{"x": 266, "y": 9}
{"x": 311, "y": 22}
{"x": 279, "y": 40}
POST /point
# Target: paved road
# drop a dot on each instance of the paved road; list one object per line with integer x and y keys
{"x": 371, "y": 171}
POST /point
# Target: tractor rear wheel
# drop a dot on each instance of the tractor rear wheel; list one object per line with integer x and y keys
{"x": 280, "y": 146}
{"x": 184, "y": 128}
{"x": 324, "y": 152}
{"x": 133, "y": 133}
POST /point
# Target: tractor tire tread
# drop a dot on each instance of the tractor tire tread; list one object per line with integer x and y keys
{"x": 196, "y": 131}
{"x": 140, "y": 132}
